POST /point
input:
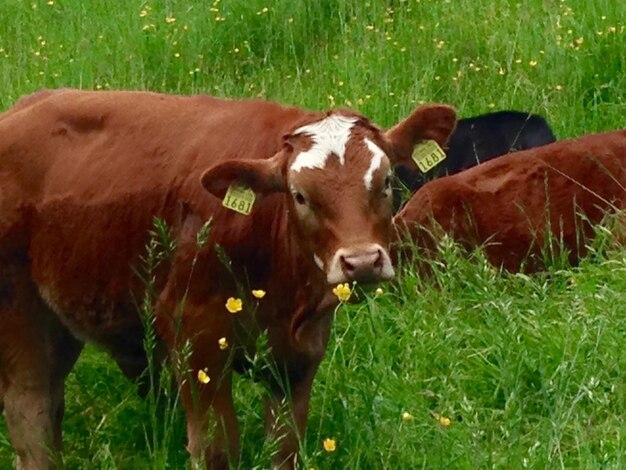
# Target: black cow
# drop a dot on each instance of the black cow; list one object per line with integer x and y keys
{"x": 478, "y": 139}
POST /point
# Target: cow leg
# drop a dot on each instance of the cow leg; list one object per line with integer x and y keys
{"x": 27, "y": 414}
{"x": 132, "y": 359}
{"x": 34, "y": 398}
{"x": 212, "y": 428}
{"x": 68, "y": 349}
{"x": 289, "y": 434}
{"x": 205, "y": 405}
{"x": 36, "y": 354}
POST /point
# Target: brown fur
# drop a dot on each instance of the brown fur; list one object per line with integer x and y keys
{"x": 513, "y": 204}
{"x": 83, "y": 174}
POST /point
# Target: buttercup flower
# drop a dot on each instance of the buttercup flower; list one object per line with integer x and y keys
{"x": 406, "y": 416}
{"x": 343, "y": 292}
{"x": 223, "y": 343}
{"x": 234, "y": 305}
{"x": 258, "y": 293}
{"x": 445, "y": 422}
{"x": 203, "y": 377}
{"x": 330, "y": 445}
{"x": 378, "y": 292}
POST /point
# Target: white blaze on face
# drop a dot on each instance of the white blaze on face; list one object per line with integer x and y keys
{"x": 377, "y": 159}
{"x": 330, "y": 135}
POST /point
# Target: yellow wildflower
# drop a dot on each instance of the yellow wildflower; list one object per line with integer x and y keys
{"x": 223, "y": 343}
{"x": 170, "y": 19}
{"x": 343, "y": 292}
{"x": 258, "y": 293}
{"x": 378, "y": 292}
{"x": 203, "y": 377}
{"x": 406, "y": 417}
{"x": 234, "y": 305}
{"x": 445, "y": 422}
{"x": 330, "y": 445}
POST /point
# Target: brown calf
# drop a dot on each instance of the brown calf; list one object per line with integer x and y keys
{"x": 83, "y": 174}
{"x": 513, "y": 204}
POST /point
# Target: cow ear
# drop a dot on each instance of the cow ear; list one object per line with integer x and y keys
{"x": 262, "y": 176}
{"x": 429, "y": 122}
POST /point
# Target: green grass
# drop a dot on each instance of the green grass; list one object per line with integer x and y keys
{"x": 530, "y": 370}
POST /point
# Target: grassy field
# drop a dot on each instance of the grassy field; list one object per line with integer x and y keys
{"x": 472, "y": 369}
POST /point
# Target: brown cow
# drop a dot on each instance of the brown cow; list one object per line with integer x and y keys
{"x": 513, "y": 204}
{"x": 83, "y": 174}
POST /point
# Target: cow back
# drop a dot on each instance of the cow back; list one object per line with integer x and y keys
{"x": 513, "y": 204}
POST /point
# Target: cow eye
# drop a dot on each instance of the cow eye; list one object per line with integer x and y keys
{"x": 300, "y": 199}
{"x": 387, "y": 188}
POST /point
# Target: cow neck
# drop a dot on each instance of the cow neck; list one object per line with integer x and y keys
{"x": 308, "y": 321}
{"x": 293, "y": 263}
{"x": 267, "y": 246}
{"x": 297, "y": 289}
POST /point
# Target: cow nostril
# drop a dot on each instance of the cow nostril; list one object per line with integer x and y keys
{"x": 378, "y": 262}
{"x": 346, "y": 265}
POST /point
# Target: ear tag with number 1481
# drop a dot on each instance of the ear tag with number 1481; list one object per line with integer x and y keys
{"x": 427, "y": 155}
{"x": 239, "y": 199}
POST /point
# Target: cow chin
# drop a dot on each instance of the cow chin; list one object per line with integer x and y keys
{"x": 364, "y": 264}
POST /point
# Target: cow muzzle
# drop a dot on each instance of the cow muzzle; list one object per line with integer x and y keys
{"x": 363, "y": 264}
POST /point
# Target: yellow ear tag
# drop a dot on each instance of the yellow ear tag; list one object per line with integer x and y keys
{"x": 427, "y": 155}
{"x": 239, "y": 199}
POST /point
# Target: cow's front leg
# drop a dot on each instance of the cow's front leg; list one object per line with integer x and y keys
{"x": 286, "y": 415}
{"x": 212, "y": 428}
{"x": 201, "y": 361}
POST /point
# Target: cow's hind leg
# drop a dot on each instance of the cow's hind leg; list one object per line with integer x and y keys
{"x": 137, "y": 364}
{"x": 68, "y": 349}
{"x": 36, "y": 354}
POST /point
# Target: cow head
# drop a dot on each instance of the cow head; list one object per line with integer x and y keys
{"x": 337, "y": 174}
